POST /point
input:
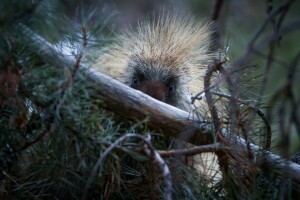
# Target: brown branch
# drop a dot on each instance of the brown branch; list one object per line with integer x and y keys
{"x": 130, "y": 103}
{"x": 127, "y": 102}
{"x": 222, "y": 157}
{"x": 71, "y": 75}
{"x": 215, "y": 16}
{"x": 207, "y": 84}
{"x": 194, "y": 150}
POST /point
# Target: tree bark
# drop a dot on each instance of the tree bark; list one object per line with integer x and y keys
{"x": 133, "y": 104}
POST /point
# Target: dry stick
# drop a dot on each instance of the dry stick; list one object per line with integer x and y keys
{"x": 216, "y": 120}
{"x": 215, "y": 16}
{"x": 128, "y": 102}
{"x": 194, "y": 150}
{"x": 222, "y": 157}
{"x": 67, "y": 84}
{"x": 274, "y": 59}
{"x": 216, "y": 37}
{"x": 190, "y": 151}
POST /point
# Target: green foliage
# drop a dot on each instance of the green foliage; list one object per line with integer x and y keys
{"x": 52, "y": 133}
{"x": 53, "y": 128}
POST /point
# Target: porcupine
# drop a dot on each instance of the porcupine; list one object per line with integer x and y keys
{"x": 164, "y": 58}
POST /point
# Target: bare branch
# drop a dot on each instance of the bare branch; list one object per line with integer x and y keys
{"x": 215, "y": 16}
{"x": 194, "y": 150}
{"x": 71, "y": 75}
{"x": 223, "y": 158}
{"x": 131, "y": 103}
{"x": 127, "y": 102}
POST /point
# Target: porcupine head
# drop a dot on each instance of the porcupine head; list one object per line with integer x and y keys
{"x": 165, "y": 58}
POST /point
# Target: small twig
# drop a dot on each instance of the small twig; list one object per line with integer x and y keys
{"x": 283, "y": 15}
{"x": 216, "y": 34}
{"x": 222, "y": 157}
{"x": 157, "y": 160}
{"x": 66, "y": 85}
{"x": 217, "y": 9}
{"x": 267, "y": 68}
{"x": 276, "y": 27}
{"x": 245, "y": 134}
{"x": 209, "y": 99}
{"x": 269, "y": 10}
{"x": 70, "y": 78}
{"x": 199, "y": 96}
{"x": 193, "y": 150}
{"x": 28, "y": 144}
{"x": 267, "y": 56}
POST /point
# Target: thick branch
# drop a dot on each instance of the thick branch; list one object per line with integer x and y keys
{"x": 131, "y": 103}
{"x": 128, "y": 102}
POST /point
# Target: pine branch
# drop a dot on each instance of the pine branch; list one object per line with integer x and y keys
{"x": 133, "y": 104}
{"x": 194, "y": 150}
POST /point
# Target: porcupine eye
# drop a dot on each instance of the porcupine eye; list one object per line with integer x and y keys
{"x": 171, "y": 85}
{"x": 136, "y": 81}
{"x": 171, "y": 88}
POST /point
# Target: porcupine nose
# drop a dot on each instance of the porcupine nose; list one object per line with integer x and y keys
{"x": 154, "y": 89}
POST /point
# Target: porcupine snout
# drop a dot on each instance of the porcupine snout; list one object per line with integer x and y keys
{"x": 154, "y": 89}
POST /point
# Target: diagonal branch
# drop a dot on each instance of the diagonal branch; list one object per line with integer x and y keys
{"x": 130, "y": 103}
{"x": 125, "y": 101}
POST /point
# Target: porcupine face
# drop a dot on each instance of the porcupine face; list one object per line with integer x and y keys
{"x": 156, "y": 81}
{"x": 162, "y": 57}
